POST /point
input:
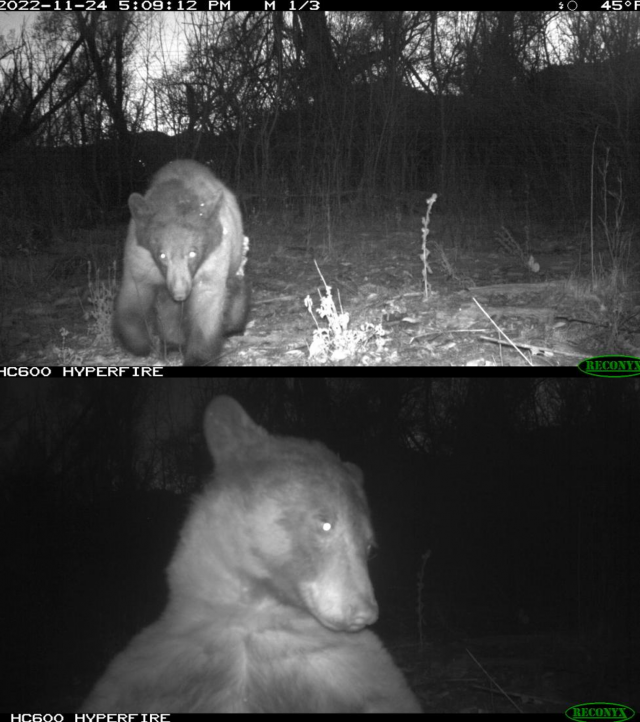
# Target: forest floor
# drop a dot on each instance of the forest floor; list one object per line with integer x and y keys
{"x": 497, "y": 296}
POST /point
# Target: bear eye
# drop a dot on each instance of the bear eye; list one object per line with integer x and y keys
{"x": 326, "y": 525}
{"x": 192, "y": 254}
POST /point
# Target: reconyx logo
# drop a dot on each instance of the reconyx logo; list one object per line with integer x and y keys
{"x": 600, "y": 710}
{"x": 611, "y": 366}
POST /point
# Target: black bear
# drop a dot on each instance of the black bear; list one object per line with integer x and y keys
{"x": 269, "y": 591}
{"x": 184, "y": 257}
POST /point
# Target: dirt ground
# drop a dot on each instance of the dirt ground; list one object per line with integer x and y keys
{"x": 536, "y": 285}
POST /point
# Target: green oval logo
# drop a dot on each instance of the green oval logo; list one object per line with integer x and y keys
{"x": 611, "y": 366}
{"x": 599, "y": 710}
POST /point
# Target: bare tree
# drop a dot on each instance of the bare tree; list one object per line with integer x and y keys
{"x": 36, "y": 83}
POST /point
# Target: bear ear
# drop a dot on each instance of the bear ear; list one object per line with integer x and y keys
{"x": 356, "y": 472}
{"x": 211, "y": 207}
{"x": 228, "y": 429}
{"x": 138, "y": 206}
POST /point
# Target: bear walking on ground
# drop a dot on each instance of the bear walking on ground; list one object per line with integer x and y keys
{"x": 269, "y": 591}
{"x": 183, "y": 275}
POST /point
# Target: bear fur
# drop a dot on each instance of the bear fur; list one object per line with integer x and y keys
{"x": 183, "y": 275}
{"x": 270, "y": 595}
